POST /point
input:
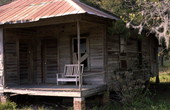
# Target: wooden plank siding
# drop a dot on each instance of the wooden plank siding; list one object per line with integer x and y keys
{"x": 11, "y": 63}
{"x": 97, "y": 49}
{"x": 154, "y": 56}
{"x": 112, "y": 56}
{"x": 50, "y": 48}
{"x": 144, "y": 49}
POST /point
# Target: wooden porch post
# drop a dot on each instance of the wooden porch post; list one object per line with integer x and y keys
{"x": 2, "y": 97}
{"x": 1, "y": 60}
{"x": 78, "y": 51}
{"x": 79, "y": 102}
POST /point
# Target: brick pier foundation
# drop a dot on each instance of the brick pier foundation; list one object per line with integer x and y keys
{"x": 3, "y": 98}
{"x": 79, "y": 104}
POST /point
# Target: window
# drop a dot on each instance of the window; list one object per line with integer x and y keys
{"x": 155, "y": 53}
{"x": 139, "y": 51}
{"x": 122, "y": 45}
{"x": 83, "y": 51}
{"x": 123, "y": 60}
{"x": 123, "y": 64}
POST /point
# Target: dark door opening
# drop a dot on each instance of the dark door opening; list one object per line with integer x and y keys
{"x": 25, "y": 61}
{"x": 49, "y": 60}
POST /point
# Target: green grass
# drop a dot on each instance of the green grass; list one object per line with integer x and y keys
{"x": 164, "y": 78}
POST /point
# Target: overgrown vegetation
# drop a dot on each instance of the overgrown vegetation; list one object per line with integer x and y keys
{"x": 128, "y": 89}
{"x": 156, "y": 98}
{"x": 13, "y": 106}
{"x": 152, "y": 15}
{"x": 146, "y": 104}
{"x": 8, "y": 106}
{"x": 2, "y": 2}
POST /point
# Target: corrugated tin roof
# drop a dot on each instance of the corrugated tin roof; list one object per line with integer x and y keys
{"x": 20, "y": 11}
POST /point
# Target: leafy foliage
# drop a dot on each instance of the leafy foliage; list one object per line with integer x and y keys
{"x": 127, "y": 87}
{"x": 150, "y": 14}
{"x": 112, "y": 6}
{"x": 2, "y": 2}
{"x": 119, "y": 28}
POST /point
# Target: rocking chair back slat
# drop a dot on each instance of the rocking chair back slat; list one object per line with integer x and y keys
{"x": 71, "y": 70}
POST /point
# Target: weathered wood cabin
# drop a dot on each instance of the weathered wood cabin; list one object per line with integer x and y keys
{"x": 39, "y": 37}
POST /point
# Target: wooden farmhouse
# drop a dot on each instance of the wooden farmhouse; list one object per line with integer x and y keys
{"x": 41, "y": 38}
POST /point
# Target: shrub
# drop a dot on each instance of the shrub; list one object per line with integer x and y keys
{"x": 128, "y": 88}
{"x": 8, "y": 106}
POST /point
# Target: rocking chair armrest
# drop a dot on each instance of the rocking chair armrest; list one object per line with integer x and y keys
{"x": 59, "y": 74}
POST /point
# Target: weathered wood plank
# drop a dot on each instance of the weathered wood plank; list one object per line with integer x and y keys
{"x": 44, "y": 93}
{"x": 11, "y": 69}
{"x": 52, "y": 90}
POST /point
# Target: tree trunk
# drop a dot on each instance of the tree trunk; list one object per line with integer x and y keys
{"x": 157, "y": 79}
{"x": 162, "y": 62}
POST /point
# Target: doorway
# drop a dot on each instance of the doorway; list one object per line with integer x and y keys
{"x": 25, "y": 68}
{"x": 49, "y": 60}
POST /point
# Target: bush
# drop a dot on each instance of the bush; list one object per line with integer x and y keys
{"x": 128, "y": 88}
{"x": 8, "y": 106}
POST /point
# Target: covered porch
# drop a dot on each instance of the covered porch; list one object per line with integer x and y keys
{"x": 34, "y": 54}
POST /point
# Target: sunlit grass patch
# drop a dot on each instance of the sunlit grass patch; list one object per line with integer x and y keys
{"x": 164, "y": 78}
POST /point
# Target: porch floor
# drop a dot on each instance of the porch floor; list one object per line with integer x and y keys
{"x": 54, "y": 90}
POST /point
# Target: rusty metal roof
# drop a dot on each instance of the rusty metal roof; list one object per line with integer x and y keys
{"x": 21, "y": 11}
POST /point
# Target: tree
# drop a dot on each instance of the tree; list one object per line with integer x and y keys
{"x": 112, "y": 6}
{"x": 2, "y": 2}
{"x": 151, "y": 15}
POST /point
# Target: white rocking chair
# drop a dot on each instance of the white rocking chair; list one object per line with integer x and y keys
{"x": 71, "y": 73}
